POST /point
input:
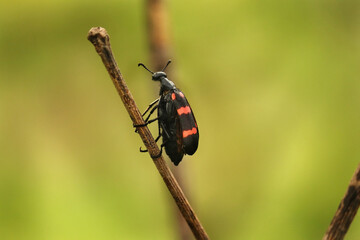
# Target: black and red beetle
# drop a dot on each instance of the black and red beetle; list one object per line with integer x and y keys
{"x": 177, "y": 124}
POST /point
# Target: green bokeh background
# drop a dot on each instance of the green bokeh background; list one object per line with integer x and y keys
{"x": 274, "y": 86}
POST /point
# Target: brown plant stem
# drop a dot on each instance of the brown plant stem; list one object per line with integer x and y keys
{"x": 346, "y": 210}
{"x": 100, "y": 39}
{"x": 158, "y": 34}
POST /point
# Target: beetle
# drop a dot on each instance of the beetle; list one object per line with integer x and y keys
{"x": 176, "y": 121}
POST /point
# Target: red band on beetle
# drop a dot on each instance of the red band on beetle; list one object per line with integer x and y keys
{"x": 189, "y": 132}
{"x": 184, "y": 110}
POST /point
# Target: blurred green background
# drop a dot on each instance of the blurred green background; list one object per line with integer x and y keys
{"x": 274, "y": 86}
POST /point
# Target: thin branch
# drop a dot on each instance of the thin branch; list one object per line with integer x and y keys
{"x": 346, "y": 210}
{"x": 100, "y": 39}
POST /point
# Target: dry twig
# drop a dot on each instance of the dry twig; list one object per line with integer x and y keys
{"x": 100, "y": 39}
{"x": 346, "y": 210}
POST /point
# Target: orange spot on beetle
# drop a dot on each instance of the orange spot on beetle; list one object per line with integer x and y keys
{"x": 173, "y": 97}
{"x": 189, "y": 132}
{"x": 184, "y": 110}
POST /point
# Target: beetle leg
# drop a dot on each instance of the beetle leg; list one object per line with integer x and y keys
{"x": 161, "y": 149}
{"x": 141, "y": 150}
{"x": 147, "y": 119}
{"x": 164, "y": 130}
{"x": 151, "y": 112}
{"x": 146, "y": 123}
{"x": 150, "y": 105}
{"x": 157, "y": 139}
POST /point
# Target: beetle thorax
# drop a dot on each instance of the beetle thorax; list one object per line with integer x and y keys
{"x": 166, "y": 85}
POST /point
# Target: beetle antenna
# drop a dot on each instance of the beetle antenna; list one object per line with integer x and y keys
{"x": 140, "y": 64}
{"x": 166, "y": 65}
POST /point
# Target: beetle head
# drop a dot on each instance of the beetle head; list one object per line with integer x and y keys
{"x": 157, "y": 75}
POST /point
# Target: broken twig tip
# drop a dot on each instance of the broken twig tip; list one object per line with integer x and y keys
{"x": 97, "y": 34}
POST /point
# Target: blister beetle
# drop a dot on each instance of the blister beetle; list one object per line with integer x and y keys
{"x": 176, "y": 121}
